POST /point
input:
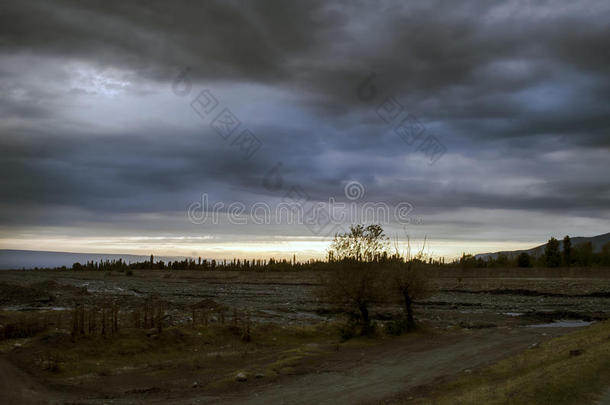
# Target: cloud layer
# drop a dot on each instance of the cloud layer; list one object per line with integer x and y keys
{"x": 96, "y": 131}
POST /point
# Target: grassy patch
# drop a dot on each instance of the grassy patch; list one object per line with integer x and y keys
{"x": 18, "y": 325}
{"x": 571, "y": 369}
{"x": 211, "y": 355}
{"x": 217, "y": 350}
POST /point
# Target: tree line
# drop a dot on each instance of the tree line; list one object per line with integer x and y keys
{"x": 201, "y": 264}
{"x": 555, "y": 254}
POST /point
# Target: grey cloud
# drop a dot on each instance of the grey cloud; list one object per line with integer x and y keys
{"x": 503, "y": 85}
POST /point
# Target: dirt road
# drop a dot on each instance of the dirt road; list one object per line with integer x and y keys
{"x": 16, "y": 387}
{"x": 359, "y": 375}
{"x": 381, "y": 372}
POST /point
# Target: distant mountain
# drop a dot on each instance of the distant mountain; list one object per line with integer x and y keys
{"x": 28, "y": 259}
{"x": 597, "y": 242}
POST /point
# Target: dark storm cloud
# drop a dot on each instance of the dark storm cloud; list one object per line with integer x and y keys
{"x": 222, "y": 39}
{"x": 517, "y": 92}
{"x": 445, "y": 60}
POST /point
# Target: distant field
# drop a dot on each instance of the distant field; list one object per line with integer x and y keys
{"x": 477, "y": 296}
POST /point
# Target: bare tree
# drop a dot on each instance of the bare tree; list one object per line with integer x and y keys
{"x": 407, "y": 278}
{"x": 354, "y": 285}
{"x": 362, "y": 273}
{"x": 354, "y": 279}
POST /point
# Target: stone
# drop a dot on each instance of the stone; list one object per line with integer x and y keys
{"x": 241, "y": 377}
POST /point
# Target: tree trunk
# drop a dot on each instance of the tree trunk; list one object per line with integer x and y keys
{"x": 409, "y": 308}
{"x": 366, "y": 321}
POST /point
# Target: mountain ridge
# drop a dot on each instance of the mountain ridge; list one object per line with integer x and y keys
{"x": 597, "y": 241}
{"x": 28, "y": 259}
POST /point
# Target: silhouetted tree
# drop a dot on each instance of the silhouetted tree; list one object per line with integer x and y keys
{"x": 502, "y": 260}
{"x": 551, "y": 253}
{"x": 583, "y": 253}
{"x": 354, "y": 280}
{"x": 408, "y": 280}
{"x": 524, "y": 260}
{"x": 467, "y": 261}
{"x": 361, "y": 243}
{"x": 605, "y": 254}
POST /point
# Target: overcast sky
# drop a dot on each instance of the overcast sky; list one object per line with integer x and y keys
{"x": 491, "y": 120}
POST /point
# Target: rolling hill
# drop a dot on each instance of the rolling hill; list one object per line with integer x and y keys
{"x": 597, "y": 242}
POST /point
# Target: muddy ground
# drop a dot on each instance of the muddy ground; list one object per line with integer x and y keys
{"x": 471, "y": 318}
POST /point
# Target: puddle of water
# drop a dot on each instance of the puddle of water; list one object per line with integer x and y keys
{"x": 562, "y": 323}
{"x": 513, "y": 313}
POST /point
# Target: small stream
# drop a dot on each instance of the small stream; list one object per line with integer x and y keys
{"x": 562, "y": 323}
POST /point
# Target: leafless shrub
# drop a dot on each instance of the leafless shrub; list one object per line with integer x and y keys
{"x": 406, "y": 278}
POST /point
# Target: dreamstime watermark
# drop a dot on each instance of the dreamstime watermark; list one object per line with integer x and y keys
{"x": 290, "y": 212}
{"x": 321, "y": 219}
{"x": 220, "y": 118}
{"x": 405, "y": 125}
{"x": 354, "y": 190}
{"x": 225, "y": 124}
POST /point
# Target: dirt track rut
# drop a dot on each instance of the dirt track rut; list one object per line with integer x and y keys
{"x": 380, "y": 373}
